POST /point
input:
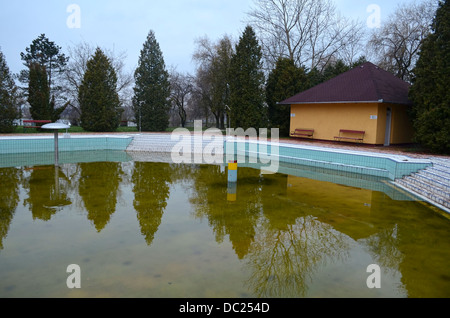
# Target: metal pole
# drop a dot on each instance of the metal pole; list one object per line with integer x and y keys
{"x": 56, "y": 149}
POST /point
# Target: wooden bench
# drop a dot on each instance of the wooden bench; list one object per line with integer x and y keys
{"x": 303, "y": 133}
{"x": 355, "y": 135}
{"x": 28, "y": 124}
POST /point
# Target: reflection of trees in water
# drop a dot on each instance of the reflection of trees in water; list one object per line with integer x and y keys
{"x": 9, "y": 194}
{"x": 151, "y": 192}
{"x": 235, "y": 219}
{"x": 282, "y": 262}
{"x": 94, "y": 187}
{"x": 281, "y": 243}
{"x": 383, "y": 247}
{"x": 98, "y": 187}
{"x": 47, "y": 191}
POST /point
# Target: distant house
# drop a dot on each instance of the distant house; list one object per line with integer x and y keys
{"x": 365, "y": 104}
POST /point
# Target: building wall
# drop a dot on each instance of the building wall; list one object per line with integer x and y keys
{"x": 328, "y": 119}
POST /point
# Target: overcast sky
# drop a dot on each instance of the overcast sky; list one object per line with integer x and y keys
{"x": 123, "y": 26}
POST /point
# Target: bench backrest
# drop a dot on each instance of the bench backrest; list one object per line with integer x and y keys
{"x": 352, "y": 131}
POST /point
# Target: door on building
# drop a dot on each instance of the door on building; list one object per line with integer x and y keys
{"x": 387, "y": 138}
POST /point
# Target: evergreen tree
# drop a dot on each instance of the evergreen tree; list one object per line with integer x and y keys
{"x": 430, "y": 91}
{"x": 8, "y": 96}
{"x": 151, "y": 101}
{"x": 219, "y": 70}
{"x": 46, "y": 53}
{"x": 335, "y": 69}
{"x": 39, "y": 93}
{"x": 41, "y": 107}
{"x": 315, "y": 77}
{"x": 247, "y": 100}
{"x": 284, "y": 81}
{"x": 98, "y": 97}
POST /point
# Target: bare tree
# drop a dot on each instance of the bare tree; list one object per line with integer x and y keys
{"x": 396, "y": 45}
{"x": 201, "y": 102}
{"x": 213, "y": 75}
{"x": 181, "y": 86}
{"x": 309, "y": 32}
{"x": 79, "y": 56}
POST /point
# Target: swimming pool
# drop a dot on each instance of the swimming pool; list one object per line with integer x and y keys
{"x": 145, "y": 227}
{"x": 374, "y": 164}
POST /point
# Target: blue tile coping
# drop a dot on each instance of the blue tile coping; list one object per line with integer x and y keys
{"x": 367, "y": 163}
{"x": 353, "y": 168}
{"x": 46, "y": 144}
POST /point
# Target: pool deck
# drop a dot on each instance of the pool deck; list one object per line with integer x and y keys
{"x": 431, "y": 184}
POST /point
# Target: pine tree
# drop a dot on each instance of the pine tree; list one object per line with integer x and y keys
{"x": 39, "y": 93}
{"x": 247, "y": 100}
{"x": 151, "y": 101}
{"x": 219, "y": 70}
{"x": 335, "y": 69}
{"x": 98, "y": 97}
{"x": 284, "y": 81}
{"x": 46, "y": 53}
{"x": 8, "y": 96}
{"x": 430, "y": 91}
{"x": 41, "y": 106}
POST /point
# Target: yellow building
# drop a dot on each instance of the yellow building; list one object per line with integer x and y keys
{"x": 365, "y": 104}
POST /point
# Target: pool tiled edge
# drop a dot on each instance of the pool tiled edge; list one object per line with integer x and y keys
{"x": 364, "y": 169}
{"x": 367, "y": 163}
{"x": 45, "y": 144}
{"x": 380, "y": 165}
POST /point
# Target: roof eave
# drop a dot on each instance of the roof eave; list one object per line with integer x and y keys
{"x": 344, "y": 102}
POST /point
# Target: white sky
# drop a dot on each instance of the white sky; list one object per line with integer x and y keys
{"x": 123, "y": 25}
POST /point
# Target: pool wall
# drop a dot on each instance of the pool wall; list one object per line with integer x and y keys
{"x": 366, "y": 163}
{"x": 385, "y": 166}
{"x": 66, "y": 157}
{"x": 24, "y": 145}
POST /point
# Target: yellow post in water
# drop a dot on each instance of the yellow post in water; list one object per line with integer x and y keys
{"x": 232, "y": 181}
{"x": 232, "y": 171}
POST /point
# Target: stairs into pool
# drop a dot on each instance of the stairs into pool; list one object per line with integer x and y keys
{"x": 432, "y": 184}
{"x": 164, "y": 143}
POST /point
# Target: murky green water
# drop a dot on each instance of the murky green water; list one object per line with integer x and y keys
{"x": 140, "y": 229}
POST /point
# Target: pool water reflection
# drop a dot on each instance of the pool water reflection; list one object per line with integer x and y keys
{"x": 143, "y": 229}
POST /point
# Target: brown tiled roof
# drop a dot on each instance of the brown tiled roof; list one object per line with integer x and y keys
{"x": 365, "y": 83}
